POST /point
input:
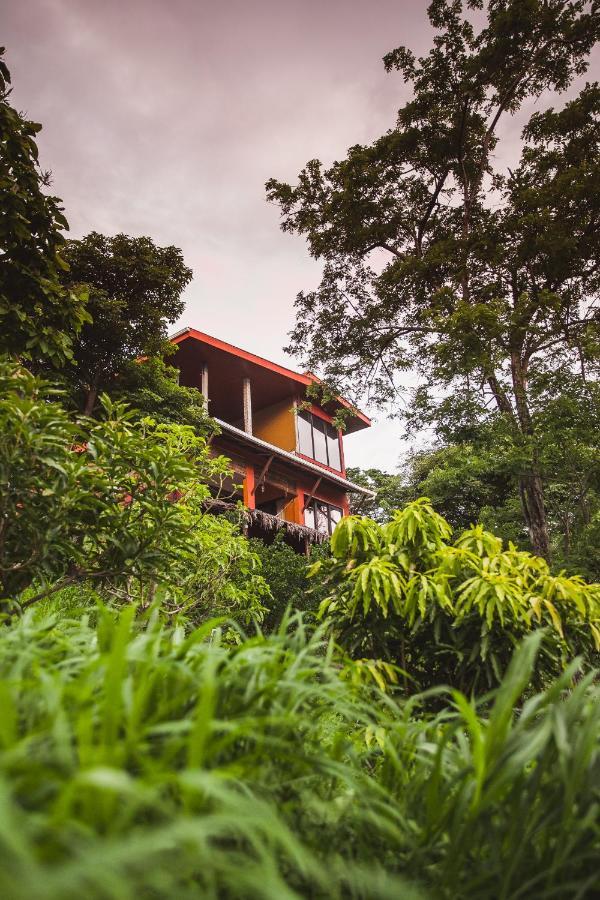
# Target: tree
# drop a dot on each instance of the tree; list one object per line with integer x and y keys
{"x": 461, "y": 480}
{"x": 471, "y": 472}
{"x": 134, "y": 290}
{"x": 152, "y": 389}
{"x": 435, "y": 259}
{"x": 568, "y": 421}
{"x": 38, "y": 315}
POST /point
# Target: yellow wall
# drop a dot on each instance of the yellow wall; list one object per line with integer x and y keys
{"x": 276, "y": 424}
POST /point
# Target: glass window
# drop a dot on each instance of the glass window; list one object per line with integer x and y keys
{"x": 335, "y": 515}
{"x": 305, "y": 444}
{"x": 333, "y": 448}
{"x": 321, "y": 516}
{"x": 320, "y": 441}
{"x": 309, "y": 515}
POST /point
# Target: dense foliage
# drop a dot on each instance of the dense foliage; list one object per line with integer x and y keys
{"x": 450, "y": 612}
{"x": 139, "y": 760}
{"x": 38, "y": 315}
{"x": 471, "y": 473}
{"x": 389, "y": 489}
{"x": 152, "y": 388}
{"x": 111, "y": 501}
{"x": 286, "y": 573}
{"x": 442, "y": 255}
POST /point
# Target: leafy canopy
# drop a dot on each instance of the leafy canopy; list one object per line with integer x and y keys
{"x": 471, "y": 472}
{"x": 38, "y": 314}
{"x": 389, "y": 489}
{"x": 151, "y": 387}
{"x": 480, "y": 277}
{"x": 134, "y": 291}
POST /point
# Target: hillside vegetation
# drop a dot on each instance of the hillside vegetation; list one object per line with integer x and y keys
{"x": 412, "y": 712}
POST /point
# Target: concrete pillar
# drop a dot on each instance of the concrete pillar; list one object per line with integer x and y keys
{"x": 247, "y": 400}
{"x": 204, "y": 384}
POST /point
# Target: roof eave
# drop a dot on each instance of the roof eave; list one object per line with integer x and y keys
{"x": 305, "y": 379}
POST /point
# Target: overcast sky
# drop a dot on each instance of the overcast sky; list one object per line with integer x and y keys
{"x": 166, "y": 117}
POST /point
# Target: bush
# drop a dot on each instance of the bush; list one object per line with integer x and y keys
{"x": 86, "y": 500}
{"x": 450, "y": 613}
{"x": 503, "y": 804}
{"x": 141, "y": 760}
{"x": 286, "y": 574}
{"x": 114, "y": 503}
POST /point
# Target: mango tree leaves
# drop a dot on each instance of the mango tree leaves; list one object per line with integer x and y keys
{"x": 450, "y": 612}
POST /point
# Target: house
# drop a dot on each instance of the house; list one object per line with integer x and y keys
{"x": 287, "y": 455}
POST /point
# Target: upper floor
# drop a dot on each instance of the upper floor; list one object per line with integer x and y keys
{"x": 266, "y": 400}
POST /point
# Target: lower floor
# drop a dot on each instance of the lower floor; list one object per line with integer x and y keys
{"x": 286, "y": 492}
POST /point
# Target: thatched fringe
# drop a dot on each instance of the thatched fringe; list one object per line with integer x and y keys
{"x": 266, "y": 521}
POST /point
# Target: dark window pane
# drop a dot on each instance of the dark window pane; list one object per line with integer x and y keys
{"x": 320, "y": 441}
{"x": 305, "y": 434}
{"x": 335, "y": 515}
{"x": 333, "y": 446}
{"x": 322, "y": 517}
{"x": 309, "y": 514}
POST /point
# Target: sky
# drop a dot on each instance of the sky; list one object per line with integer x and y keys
{"x": 166, "y": 118}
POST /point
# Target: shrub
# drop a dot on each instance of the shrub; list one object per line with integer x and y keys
{"x": 221, "y": 573}
{"x": 144, "y": 760}
{"x": 502, "y": 804}
{"x": 114, "y": 503}
{"x": 286, "y": 573}
{"x": 450, "y": 613}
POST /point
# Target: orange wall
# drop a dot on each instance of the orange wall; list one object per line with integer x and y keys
{"x": 291, "y": 511}
{"x": 276, "y": 424}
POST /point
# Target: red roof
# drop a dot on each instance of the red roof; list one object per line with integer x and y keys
{"x": 271, "y": 382}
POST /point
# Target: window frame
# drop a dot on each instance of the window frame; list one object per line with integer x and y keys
{"x": 324, "y": 428}
{"x": 311, "y": 508}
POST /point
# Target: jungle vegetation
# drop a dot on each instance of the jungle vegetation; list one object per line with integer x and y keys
{"x": 413, "y": 712}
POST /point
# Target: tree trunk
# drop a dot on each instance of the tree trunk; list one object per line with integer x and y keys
{"x": 90, "y": 400}
{"x": 567, "y": 535}
{"x": 531, "y": 487}
{"x": 531, "y": 490}
{"x": 584, "y": 506}
{"x": 502, "y": 401}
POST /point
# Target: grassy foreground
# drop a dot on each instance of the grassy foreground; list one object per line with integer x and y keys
{"x": 143, "y": 761}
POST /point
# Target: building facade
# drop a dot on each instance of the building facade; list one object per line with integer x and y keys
{"x": 287, "y": 455}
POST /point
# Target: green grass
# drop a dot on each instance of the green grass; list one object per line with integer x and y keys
{"x": 138, "y": 760}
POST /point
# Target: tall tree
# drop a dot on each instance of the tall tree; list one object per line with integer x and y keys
{"x": 134, "y": 290}
{"x": 38, "y": 314}
{"x": 481, "y": 279}
{"x": 471, "y": 473}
